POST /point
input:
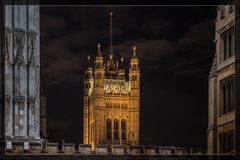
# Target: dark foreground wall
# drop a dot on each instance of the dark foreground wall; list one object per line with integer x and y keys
{"x": 112, "y": 157}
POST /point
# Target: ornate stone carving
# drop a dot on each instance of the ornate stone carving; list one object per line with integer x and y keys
{"x": 19, "y": 44}
{"x": 6, "y": 49}
{"x": 31, "y": 100}
{"x": 117, "y": 88}
{"x": 32, "y": 44}
{"x": 19, "y": 99}
{"x": 7, "y": 98}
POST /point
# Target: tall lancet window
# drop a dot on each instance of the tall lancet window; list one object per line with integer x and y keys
{"x": 109, "y": 129}
{"x": 123, "y": 128}
{"x": 115, "y": 129}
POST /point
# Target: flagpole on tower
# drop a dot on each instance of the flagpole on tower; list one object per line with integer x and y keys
{"x": 111, "y": 39}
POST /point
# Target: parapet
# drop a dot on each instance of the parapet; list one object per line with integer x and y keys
{"x": 46, "y": 148}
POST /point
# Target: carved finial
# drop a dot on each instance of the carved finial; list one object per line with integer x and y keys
{"x": 121, "y": 58}
{"x": 117, "y": 64}
{"x": 88, "y": 57}
{"x": 110, "y": 56}
{"x": 134, "y": 50}
{"x": 99, "y": 48}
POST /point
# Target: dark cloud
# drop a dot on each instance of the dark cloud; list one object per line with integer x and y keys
{"x": 153, "y": 27}
{"x": 175, "y": 47}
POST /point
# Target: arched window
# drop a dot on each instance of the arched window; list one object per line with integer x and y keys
{"x": 109, "y": 129}
{"x": 115, "y": 129}
{"x": 123, "y": 127}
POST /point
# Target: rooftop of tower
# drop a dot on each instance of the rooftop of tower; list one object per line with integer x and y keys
{"x": 114, "y": 68}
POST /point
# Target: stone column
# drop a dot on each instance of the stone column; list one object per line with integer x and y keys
{"x": 212, "y": 110}
{"x": 8, "y": 85}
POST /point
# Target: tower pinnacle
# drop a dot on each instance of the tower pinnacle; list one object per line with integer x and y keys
{"x": 99, "y": 49}
{"x": 121, "y": 58}
{"x": 88, "y": 58}
{"x": 134, "y": 50}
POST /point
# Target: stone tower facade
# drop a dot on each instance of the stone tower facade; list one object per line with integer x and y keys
{"x": 111, "y": 101}
{"x": 20, "y": 68}
{"x": 222, "y": 84}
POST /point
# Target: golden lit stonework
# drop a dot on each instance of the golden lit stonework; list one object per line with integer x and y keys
{"x": 112, "y": 101}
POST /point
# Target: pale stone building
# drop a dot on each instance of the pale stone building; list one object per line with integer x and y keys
{"x": 223, "y": 82}
{"x": 20, "y": 69}
{"x": 111, "y": 102}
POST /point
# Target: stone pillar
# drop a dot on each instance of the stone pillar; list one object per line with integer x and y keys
{"x": 212, "y": 112}
{"x": 8, "y": 84}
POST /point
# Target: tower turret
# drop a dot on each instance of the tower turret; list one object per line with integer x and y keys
{"x": 134, "y": 82}
{"x": 88, "y": 80}
{"x": 98, "y": 121}
{"x": 88, "y": 89}
{"x": 121, "y": 70}
{"x": 99, "y": 69}
{"x": 99, "y": 58}
{"x": 134, "y": 74}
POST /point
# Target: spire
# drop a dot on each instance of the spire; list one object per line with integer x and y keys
{"x": 111, "y": 40}
{"x": 88, "y": 71}
{"x": 117, "y": 64}
{"x": 134, "y": 50}
{"x": 121, "y": 69}
{"x": 88, "y": 57}
{"x": 99, "y": 49}
{"x": 121, "y": 64}
{"x": 122, "y": 59}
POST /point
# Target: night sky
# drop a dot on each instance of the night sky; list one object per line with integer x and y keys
{"x": 175, "y": 48}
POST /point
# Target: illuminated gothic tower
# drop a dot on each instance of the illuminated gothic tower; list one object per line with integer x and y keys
{"x": 20, "y": 65}
{"x": 111, "y": 102}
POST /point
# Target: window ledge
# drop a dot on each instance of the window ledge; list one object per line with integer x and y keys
{"x": 226, "y": 114}
{"x": 226, "y": 62}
